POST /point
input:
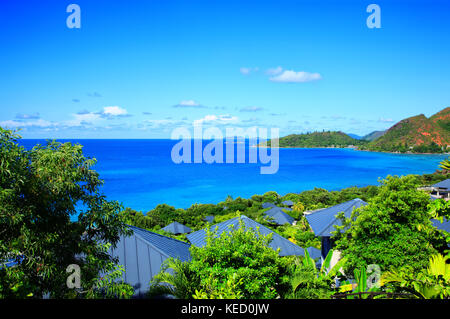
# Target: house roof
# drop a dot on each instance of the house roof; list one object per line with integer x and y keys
{"x": 323, "y": 220}
{"x": 177, "y": 228}
{"x": 278, "y": 216}
{"x": 267, "y": 205}
{"x": 444, "y": 184}
{"x": 209, "y": 219}
{"x": 445, "y": 225}
{"x": 8, "y": 263}
{"x": 288, "y": 203}
{"x": 169, "y": 246}
{"x": 287, "y": 248}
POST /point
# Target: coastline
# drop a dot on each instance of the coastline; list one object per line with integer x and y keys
{"x": 349, "y": 147}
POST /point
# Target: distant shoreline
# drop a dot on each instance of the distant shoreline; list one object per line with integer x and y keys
{"x": 349, "y": 147}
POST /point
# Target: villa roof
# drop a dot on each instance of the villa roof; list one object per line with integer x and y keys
{"x": 209, "y": 219}
{"x": 288, "y": 203}
{"x": 278, "y": 216}
{"x": 166, "y": 245}
{"x": 323, "y": 220}
{"x": 444, "y": 184}
{"x": 177, "y": 228}
{"x": 287, "y": 248}
{"x": 142, "y": 255}
{"x": 445, "y": 225}
{"x": 267, "y": 205}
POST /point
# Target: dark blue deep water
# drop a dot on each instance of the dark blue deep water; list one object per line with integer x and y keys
{"x": 141, "y": 174}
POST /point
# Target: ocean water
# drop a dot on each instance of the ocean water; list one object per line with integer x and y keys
{"x": 141, "y": 174}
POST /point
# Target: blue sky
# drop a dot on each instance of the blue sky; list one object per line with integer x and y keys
{"x": 139, "y": 69}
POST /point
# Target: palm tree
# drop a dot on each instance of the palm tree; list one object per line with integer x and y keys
{"x": 445, "y": 165}
{"x": 176, "y": 279}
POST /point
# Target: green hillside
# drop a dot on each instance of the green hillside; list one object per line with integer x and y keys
{"x": 417, "y": 134}
{"x": 318, "y": 139}
{"x": 373, "y": 136}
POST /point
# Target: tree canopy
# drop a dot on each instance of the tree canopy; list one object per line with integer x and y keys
{"x": 41, "y": 190}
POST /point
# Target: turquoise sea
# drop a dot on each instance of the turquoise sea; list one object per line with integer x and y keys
{"x": 141, "y": 173}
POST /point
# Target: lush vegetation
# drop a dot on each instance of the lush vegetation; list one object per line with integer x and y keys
{"x": 393, "y": 230}
{"x": 317, "y": 139}
{"x": 238, "y": 264}
{"x": 417, "y": 134}
{"x": 41, "y": 189}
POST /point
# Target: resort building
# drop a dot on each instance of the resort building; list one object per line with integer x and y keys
{"x": 142, "y": 255}
{"x": 209, "y": 219}
{"x": 277, "y": 216}
{"x": 176, "y": 228}
{"x": 288, "y": 203}
{"x": 322, "y": 221}
{"x": 441, "y": 190}
{"x": 268, "y": 205}
{"x": 287, "y": 248}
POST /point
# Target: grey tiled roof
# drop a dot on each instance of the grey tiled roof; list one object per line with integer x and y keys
{"x": 209, "y": 219}
{"x": 287, "y": 248}
{"x": 267, "y": 205}
{"x": 323, "y": 220}
{"x": 444, "y": 184}
{"x": 441, "y": 226}
{"x": 169, "y": 246}
{"x": 278, "y": 216}
{"x": 288, "y": 203}
{"x": 177, "y": 228}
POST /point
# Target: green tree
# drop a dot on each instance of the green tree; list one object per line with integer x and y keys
{"x": 40, "y": 190}
{"x": 236, "y": 264}
{"x": 393, "y": 230}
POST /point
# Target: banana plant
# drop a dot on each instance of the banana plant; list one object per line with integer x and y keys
{"x": 325, "y": 270}
{"x": 431, "y": 283}
{"x": 361, "y": 285}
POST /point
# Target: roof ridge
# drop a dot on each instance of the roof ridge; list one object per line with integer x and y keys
{"x": 334, "y": 216}
{"x": 167, "y": 237}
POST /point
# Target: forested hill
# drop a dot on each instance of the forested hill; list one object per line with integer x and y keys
{"x": 417, "y": 134}
{"x": 318, "y": 139}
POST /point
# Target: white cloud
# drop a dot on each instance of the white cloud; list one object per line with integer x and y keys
{"x": 290, "y": 76}
{"x": 216, "y": 119}
{"x": 383, "y": 120}
{"x": 274, "y": 71}
{"x": 114, "y": 111}
{"x": 189, "y": 103}
{"x": 251, "y": 109}
{"x": 33, "y": 116}
{"x": 247, "y": 71}
{"x": 34, "y": 123}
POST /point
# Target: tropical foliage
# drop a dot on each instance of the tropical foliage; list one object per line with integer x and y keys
{"x": 394, "y": 229}
{"x": 238, "y": 264}
{"x": 432, "y": 282}
{"x": 309, "y": 282}
{"x": 317, "y": 139}
{"x": 40, "y": 190}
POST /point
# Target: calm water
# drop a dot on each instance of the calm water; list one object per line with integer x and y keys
{"x": 141, "y": 174}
